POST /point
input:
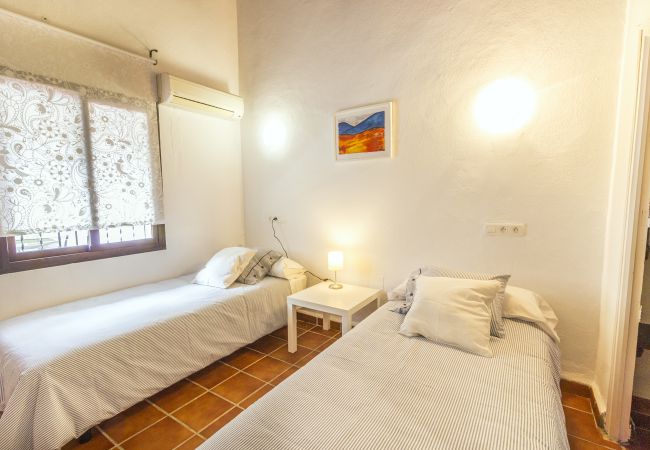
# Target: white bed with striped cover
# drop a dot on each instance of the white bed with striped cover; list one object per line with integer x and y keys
{"x": 67, "y": 368}
{"x": 376, "y": 389}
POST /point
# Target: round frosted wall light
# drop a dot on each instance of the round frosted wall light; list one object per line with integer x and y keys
{"x": 504, "y": 106}
{"x": 274, "y": 135}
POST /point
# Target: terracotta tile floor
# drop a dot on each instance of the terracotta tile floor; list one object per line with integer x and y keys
{"x": 187, "y": 413}
{"x": 582, "y": 429}
{"x": 184, "y": 415}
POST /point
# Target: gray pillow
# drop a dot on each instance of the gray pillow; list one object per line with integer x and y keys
{"x": 496, "y": 322}
{"x": 259, "y": 266}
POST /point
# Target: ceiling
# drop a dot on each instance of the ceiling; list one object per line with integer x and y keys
{"x": 195, "y": 38}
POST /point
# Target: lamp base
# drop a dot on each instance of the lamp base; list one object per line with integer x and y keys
{"x": 335, "y": 286}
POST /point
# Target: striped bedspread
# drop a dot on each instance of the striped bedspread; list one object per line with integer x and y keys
{"x": 65, "y": 369}
{"x": 376, "y": 389}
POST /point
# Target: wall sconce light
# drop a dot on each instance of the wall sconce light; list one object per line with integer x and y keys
{"x": 504, "y": 106}
{"x": 274, "y": 135}
{"x": 335, "y": 263}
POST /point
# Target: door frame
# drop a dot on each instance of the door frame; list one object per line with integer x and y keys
{"x": 628, "y": 309}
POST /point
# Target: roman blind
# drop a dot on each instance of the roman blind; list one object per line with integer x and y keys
{"x": 78, "y": 134}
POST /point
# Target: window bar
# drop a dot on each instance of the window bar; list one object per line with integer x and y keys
{"x": 121, "y": 238}
{"x": 40, "y": 240}
{"x": 58, "y": 235}
{"x": 108, "y": 240}
{"x": 76, "y": 238}
{"x": 22, "y": 243}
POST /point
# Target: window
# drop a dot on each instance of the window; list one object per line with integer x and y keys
{"x": 79, "y": 174}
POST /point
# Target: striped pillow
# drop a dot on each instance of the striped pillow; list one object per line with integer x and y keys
{"x": 497, "y": 327}
{"x": 259, "y": 266}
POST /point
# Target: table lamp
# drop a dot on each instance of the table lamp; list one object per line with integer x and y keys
{"x": 335, "y": 263}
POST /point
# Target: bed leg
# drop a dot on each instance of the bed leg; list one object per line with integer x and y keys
{"x": 86, "y": 437}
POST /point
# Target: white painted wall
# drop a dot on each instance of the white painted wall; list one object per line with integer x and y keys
{"x": 201, "y": 155}
{"x": 300, "y": 62}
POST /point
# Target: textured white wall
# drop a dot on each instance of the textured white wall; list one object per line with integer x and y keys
{"x": 300, "y": 62}
{"x": 201, "y": 155}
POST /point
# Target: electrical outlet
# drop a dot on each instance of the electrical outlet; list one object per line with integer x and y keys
{"x": 505, "y": 229}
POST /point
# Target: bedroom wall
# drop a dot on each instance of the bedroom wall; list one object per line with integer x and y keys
{"x": 201, "y": 155}
{"x": 300, "y": 62}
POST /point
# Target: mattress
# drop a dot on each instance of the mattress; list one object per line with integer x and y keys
{"x": 67, "y": 368}
{"x": 376, "y": 389}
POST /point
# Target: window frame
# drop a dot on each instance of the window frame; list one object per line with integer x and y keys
{"x": 11, "y": 261}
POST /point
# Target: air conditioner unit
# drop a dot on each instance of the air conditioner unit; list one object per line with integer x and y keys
{"x": 184, "y": 94}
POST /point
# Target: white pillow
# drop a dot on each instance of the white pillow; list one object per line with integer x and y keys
{"x": 529, "y": 306}
{"x": 223, "y": 268}
{"x": 452, "y": 311}
{"x": 287, "y": 268}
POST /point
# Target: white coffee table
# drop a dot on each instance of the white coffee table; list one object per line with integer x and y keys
{"x": 340, "y": 302}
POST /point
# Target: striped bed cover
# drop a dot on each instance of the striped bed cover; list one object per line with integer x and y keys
{"x": 67, "y": 368}
{"x": 375, "y": 389}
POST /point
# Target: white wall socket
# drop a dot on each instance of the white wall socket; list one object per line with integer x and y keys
{"x": 505, "y": 229}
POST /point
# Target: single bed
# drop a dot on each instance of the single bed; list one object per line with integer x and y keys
{"x": 376, "y": 389}
{"x": 67, "y": 368}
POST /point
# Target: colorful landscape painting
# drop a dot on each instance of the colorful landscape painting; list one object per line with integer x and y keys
{"x": 366, "y": 136}
{"x": 363, "y": 132}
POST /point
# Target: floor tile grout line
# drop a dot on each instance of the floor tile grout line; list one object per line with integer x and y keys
{"x": 217, "y": 418}
{"x": 141, "y": 430}
{"x": 238, "y": 371}
{"x": 107, "y": 436}
{"x": 590, "y": 441}
{"x": 174, "y": 418}
{"x": 270, "y": 356}
{"x": 189, "y": 439}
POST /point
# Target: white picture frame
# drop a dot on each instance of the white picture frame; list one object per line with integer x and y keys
{"x": 364, "y": 132}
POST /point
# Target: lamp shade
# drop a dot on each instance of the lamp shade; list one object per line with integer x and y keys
{"x": 335, "y": 260}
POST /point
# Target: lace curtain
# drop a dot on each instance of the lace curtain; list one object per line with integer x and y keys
{"x": 74, "y": 157}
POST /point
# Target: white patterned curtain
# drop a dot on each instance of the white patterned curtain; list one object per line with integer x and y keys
{"x": 121, "y": 166}
{"x": 43, "y": 170}
{"x": 74, "y": 157}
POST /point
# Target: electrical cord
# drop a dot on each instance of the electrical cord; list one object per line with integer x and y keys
{"x": 275, "y": 219}
{"x": 316, "y": 276}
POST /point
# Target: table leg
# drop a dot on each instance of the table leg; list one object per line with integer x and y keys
{"x": 292, "y": 318}
{"x": 326, "y": 321}
{"x": 346, "y": 323}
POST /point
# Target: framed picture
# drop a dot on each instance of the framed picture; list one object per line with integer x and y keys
{"x": 365, "y": 132}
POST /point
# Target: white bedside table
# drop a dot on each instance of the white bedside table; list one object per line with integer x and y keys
{"x": 340, "y": 302}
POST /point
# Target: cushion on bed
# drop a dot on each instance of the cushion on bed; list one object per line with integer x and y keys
{"x": 496, "y": 324}
{"x": 223, "y": 268}
{"x": 452, "y": 312}
{"x": 529, "y": 306}
{"x": 288, "y": 269}
{"x": 259, "y": 266}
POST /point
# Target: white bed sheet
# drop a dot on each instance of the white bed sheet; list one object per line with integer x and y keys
{"x": 67, "y": 368}
{"x": 376, "y": 389}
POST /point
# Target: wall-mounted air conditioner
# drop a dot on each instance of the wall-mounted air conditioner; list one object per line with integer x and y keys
{"x": 180, "y": 93}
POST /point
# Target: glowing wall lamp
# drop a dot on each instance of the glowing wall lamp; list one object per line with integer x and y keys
{"x": 504, "y": 106}
{"x": 335, "y": 263}
{"x": 274, "y": 135}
